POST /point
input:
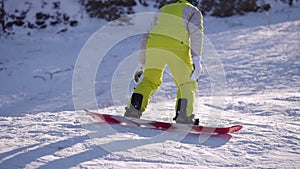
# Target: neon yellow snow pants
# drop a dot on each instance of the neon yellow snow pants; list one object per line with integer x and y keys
{"x": 180, "y": 64}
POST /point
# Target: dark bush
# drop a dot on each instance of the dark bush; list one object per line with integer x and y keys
{"x": 109, "y": 10}
{"x": 246, "y": 6}
{"x": 42, "y": 16}
{"x": 224, "y": 8}
{"x": 73, "y": 23}
{"x": 18, "y": 23}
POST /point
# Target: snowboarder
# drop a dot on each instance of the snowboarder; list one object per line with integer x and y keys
{"x": 175, "y": 39}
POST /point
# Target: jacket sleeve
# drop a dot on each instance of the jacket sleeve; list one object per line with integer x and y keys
{"x": 194, "y": 24}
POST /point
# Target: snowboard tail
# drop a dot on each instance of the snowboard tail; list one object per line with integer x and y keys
{"x": 120, "y": 120}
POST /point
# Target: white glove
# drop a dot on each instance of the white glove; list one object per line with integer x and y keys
{"x": 138, "y": 73}
{"x": 197, "y": 68}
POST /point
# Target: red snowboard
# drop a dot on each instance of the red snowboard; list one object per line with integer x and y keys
{"x": 120, "y": 120}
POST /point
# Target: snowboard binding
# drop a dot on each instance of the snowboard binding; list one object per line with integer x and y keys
{"x": 134, "y": 110}
{"x": 181, "y": 116}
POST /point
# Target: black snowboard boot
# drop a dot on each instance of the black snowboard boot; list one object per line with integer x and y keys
{"x": 134, "y": 110}
{"x": 181, "y": 116}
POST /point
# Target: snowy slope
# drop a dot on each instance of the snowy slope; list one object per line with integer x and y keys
{"x": 40, "y": 129}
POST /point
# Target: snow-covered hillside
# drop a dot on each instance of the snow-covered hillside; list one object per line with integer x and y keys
{"x": 261, "y": 58}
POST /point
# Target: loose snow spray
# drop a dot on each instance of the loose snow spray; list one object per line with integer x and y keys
{"x": 93, "y": 53}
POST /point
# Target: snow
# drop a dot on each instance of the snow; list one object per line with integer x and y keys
{"x": 41, "y": 128}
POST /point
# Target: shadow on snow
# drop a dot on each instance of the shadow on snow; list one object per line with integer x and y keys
{"x": 146, "y": 137}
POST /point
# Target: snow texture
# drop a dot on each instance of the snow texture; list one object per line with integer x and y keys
{"x": 39, "y": 127}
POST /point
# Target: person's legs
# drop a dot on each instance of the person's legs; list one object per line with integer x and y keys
{"x": 181, "y": 67}
{"x": 154, "y": 67}
{"x": 148, "y": 86}
{"x": 187, "y": 88}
